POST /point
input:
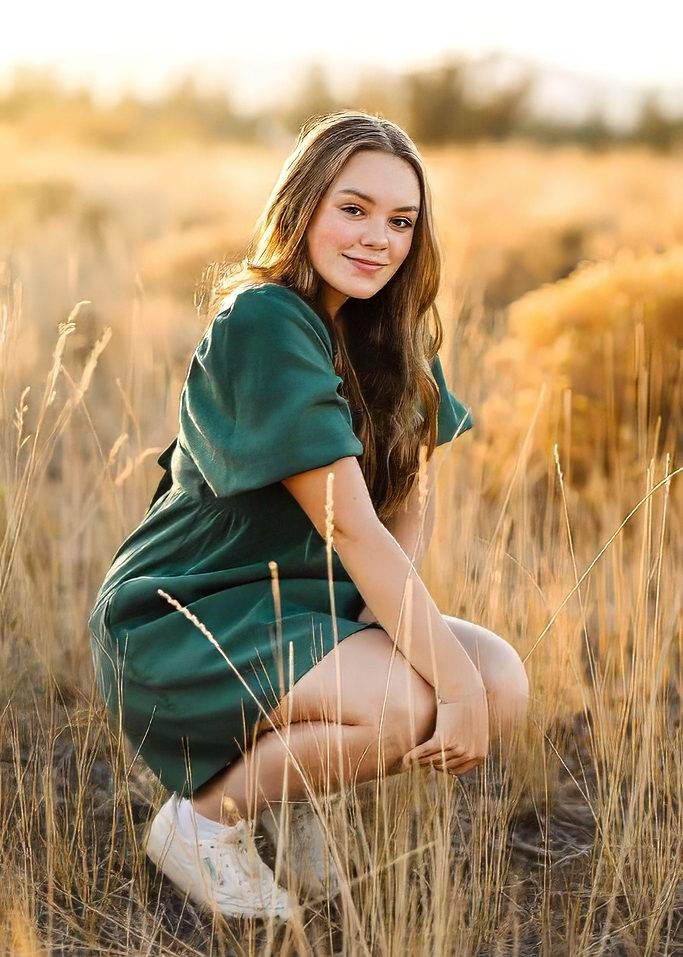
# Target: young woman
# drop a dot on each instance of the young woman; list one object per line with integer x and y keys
{"x": 289, "y": 523}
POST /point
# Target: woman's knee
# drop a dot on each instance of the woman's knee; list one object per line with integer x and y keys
{"x": 508, "y": 702}
{"x": 502, "y": 671}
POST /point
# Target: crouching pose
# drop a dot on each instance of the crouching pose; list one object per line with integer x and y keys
{"x": 253, "y": 635}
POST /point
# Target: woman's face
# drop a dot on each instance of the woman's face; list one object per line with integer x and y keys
{"x": 368, "y": 213}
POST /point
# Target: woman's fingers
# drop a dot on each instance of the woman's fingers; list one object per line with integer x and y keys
{"x": 447, "y": 756}
{"x": 452, "y": 761}
{"x": 452, "y": 758}
{"x": 427, "y": 747}
{"x": 448, "y": 760}
{"x": 434, "y": 746}
{"x": 444, "y": 757}
{"x": 456, "y": 768}
{"x": 431, "y": 749}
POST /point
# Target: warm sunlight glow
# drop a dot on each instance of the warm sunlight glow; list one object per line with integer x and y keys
{"x": 141, "y": 46}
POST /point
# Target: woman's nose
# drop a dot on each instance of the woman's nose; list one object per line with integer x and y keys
{"x": 375, "y": 235}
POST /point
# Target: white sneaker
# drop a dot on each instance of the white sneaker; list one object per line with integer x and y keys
{"x": 309, "y": 856}
{"x": 224, "y": 873}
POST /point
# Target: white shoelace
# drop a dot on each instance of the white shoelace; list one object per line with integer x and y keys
{"x": 252, "y": 870}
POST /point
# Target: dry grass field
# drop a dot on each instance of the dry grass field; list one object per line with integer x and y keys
{"x": 559, "y": 526}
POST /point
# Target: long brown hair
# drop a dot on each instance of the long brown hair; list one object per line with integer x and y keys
{"x": 384, "y": 343}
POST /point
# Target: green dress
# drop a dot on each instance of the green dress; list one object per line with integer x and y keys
{"x": 259, "y": 403}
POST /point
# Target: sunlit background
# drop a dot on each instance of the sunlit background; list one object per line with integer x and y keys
{"x": 581, "y": 60}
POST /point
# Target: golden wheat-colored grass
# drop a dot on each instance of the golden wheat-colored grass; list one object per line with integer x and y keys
{"x": 568, "y": 842}
{"x": 604, "y": 345}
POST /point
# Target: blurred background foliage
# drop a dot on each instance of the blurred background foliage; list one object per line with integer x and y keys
{"x": 448, "y": 102}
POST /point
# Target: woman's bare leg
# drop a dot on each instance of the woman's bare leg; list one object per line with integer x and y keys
{"x": 330, "y": 755}
{"x": 361, "y": 669}
{"x": 503, "y": 673}
{"x": 350, "y": 717}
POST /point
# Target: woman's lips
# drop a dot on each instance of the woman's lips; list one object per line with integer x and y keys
{"x": 364, "y": 266}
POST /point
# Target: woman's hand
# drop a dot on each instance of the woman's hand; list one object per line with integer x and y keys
{"x": 461, "y": 737}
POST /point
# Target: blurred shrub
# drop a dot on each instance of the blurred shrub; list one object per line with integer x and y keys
{"x": 607, "y": 344}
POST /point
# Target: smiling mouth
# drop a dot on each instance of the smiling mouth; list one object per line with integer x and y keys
{"x": 368, "y": 262}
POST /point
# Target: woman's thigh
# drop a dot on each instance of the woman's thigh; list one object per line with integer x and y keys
{"x": 363, "y": 679}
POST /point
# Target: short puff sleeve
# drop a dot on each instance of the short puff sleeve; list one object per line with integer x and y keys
{"x": 261, "y": 401}
{"x": 453, "y": 417}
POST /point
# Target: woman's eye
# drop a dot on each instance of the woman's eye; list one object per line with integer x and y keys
{"x": 401, "y": 219}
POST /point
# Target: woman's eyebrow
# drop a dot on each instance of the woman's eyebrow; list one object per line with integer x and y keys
{"x": 369, "y": 199}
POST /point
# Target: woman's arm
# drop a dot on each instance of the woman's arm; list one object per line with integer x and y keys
{"x": 383, "y": 574}
{"x": 411, "y": 528}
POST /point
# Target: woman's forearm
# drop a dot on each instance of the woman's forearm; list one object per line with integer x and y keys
{"x": 412, "y": 531}
{"x": 385, "y": 576}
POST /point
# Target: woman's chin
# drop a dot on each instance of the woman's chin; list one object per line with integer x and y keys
{"x": 361, "y": 290}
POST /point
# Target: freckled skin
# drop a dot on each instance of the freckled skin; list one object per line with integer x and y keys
{"x": 347, "y": 225}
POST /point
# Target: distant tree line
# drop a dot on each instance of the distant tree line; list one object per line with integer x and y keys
{"x": 438, "y": 105}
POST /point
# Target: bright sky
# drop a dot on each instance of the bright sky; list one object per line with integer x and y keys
{"x": 258, "y": 45}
